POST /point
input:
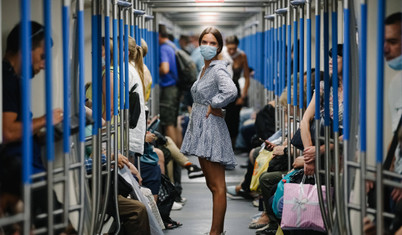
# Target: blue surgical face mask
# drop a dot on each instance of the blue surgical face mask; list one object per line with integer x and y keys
{"x": 208, "y": 52}
{"x": 103, "y": 62}
{"x": 395, "y": 63}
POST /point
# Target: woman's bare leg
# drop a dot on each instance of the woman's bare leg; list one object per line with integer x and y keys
{"x": 215, "y": 177}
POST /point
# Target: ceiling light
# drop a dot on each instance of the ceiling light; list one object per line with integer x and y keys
{"x": 206, "y": 1}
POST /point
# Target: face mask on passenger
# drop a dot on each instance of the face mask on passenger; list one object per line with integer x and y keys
{"x": 208, "y": 52}
{"x": 395, "y": 63}
{"x": 190, "y": 48}
{"x": 103, "y": 61}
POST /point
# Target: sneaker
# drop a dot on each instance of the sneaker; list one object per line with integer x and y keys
{"x": 232, "y": 194}
{"x": 177, "y": 206}
{"x": 256, "y": 202}
{"x": 194, "y": 171}
{"x": 181, "y": 200}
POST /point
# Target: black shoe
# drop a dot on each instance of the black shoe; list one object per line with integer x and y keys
{"x": 268, "y": 230}
{"x": 194, "y": 171}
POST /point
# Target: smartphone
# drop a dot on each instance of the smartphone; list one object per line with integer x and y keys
{"x": 154, "y": 125}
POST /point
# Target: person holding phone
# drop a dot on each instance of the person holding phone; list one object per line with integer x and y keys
{"x": 207, "y": 135}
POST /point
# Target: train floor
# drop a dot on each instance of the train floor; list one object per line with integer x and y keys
{"x": 196, "y": 215}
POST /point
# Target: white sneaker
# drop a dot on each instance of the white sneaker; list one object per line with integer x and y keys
{"x": 177, "y": 206}
{"x": 183, "y": 200}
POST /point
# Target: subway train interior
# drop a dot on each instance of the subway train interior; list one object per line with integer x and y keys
{"x": 301, "y": 161}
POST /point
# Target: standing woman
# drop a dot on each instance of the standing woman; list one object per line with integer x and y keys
{"x": 207, "y": 135}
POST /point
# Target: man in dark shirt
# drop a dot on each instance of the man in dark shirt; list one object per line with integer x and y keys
{"x": 12, "y": 124}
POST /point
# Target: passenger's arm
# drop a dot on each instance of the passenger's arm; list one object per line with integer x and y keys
{"x": 164, "y": 68}
{"x": 305, "y": 124}
{"x": 104, "y": 96}
{"x": 12, "y": 129}
{"x": 246, "y": 72}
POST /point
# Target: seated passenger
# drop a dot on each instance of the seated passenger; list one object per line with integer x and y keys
{"x": 309, "y": 148}
{"x": 12, "y": 111}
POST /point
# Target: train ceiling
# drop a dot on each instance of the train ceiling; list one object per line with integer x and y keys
{"x": 191, "y": 14}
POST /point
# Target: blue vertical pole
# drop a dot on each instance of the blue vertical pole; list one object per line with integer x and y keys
{"x": 308, "y": 21}
{"x": 107, "y": 68}
{"x": 26, "y": 90}
{"x": 95, "y": 70}
{"x": 363, "y": 100}
{"x": 121, "y": 47}
{"x": 81, "y": 113}
{"x": 275, "y": 61}
{"x": 99, "y": 71}
{"x": 81, "y": 78}
{"x": 126, "y": 104}
{"x": 295, "y": 57}
{"x": 380, "y": 81}
{"x": 335, "y": 70}
{"x": 280, "y": 58}
{"x": 48, "y": 81}
{"x": 346, "y": 101}
{"x": 283, "y": 54}
{"x": 289, "y": 61}
{"x": 115, "y": 70}
{"x": 317, "y": 65}
{"x": 26, "y": 107}
{"x": 301, "y": 59}
{"x": 272, "y": 59}
{"x": 326, "y": 69}
{"x": 380, "y": 115}
{"x": 66, "y": 79}
{"x": 363, "y": 76}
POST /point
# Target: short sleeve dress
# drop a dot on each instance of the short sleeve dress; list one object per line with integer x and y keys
{"x": 209, "y": 137}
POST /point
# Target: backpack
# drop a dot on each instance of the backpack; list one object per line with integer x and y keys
{"x": 186, "y": 68}
{"x": 134, "y": 110}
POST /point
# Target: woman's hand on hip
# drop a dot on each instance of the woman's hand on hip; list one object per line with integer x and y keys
{"x": 214, "y": 111}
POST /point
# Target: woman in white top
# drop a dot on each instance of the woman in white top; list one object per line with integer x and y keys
{"x": 136, "y": 76}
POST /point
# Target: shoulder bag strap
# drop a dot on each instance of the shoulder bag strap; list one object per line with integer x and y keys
{"x": 392, "y": 148}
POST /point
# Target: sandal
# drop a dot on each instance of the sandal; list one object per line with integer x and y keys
{"x": 256, "y": 225}
{"x": 169, "y": 225}
{"x": 177, "y": 224}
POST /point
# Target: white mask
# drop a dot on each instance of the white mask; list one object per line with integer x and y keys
{"x": 395, "y": 63}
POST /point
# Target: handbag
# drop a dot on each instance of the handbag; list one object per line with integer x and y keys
{"x": 134, "y": 107}
{"x": 277, "y": 202}
{"x": 166, "y": 195}
{"x": 301, "y": 208}
{"x": 149, "y": 156}
{"x": 297, "y": 140}
{"x": 261, "y": 165}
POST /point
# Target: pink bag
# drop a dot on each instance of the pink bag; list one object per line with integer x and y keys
{"x": 301, "y": 209}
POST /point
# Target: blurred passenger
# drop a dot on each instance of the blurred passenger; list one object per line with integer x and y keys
{"x": 169, "y": 92}
{"x": 240, "y": 65}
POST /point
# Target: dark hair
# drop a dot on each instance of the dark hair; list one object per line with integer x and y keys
{"x": 170, "y": 37}
{"x": 163, "y": 31}
{"x": 13, "y": 39}
{"x": 394, "y": 18}
{"x": 232, "y": 40}
{"x": 214, "y": 31}
{"x": 339, "y": 52}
